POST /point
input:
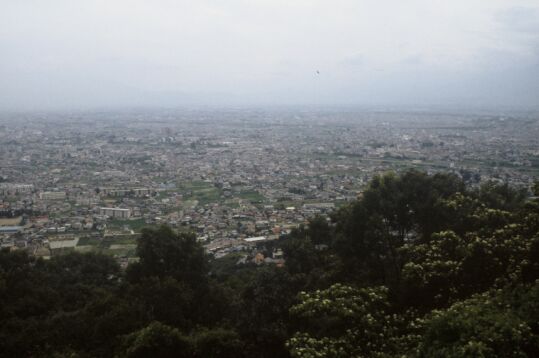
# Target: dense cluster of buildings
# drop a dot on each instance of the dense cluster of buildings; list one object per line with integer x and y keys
{"x": 77, "y": 181}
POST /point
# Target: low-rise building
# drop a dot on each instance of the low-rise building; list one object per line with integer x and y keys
{"x": 53, "y": 195}
{"x": 119, "y": 213}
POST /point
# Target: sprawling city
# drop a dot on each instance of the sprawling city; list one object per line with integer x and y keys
{"x": 92, "y": 181}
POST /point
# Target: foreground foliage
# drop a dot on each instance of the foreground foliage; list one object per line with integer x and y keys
{"x": 420, "y": 266}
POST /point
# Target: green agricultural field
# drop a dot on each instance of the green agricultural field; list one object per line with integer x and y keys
{"x": 187, "y": 204}
{"x": 135, "y": 224}
{"x": 121, "y": 246}
{"x": 89, "y": 241}
{"x": 252, "y": 196}
{"x": 128, "y": 240}
{"x": 232, "y": 203}
{"x": 206, "y": 196}
{"x": 85, "y": 248}
{"x": 120, "y": 252}
{"x": 196, "y": 185}
{"x": 203, "y": 192}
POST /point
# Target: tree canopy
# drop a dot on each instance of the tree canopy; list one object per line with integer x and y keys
{"x": 419, "y": 266}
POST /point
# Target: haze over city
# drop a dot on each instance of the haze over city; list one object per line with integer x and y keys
{"x": 95, "y": 54}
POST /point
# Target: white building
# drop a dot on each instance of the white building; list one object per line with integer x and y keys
{"x": 126, "y": 192}
{"x": 12, "y": 189}
{"x": 115, "y": 212}
{"x": 53, "y": 195}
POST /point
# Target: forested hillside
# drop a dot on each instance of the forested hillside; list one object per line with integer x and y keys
{"x": 419, "y": 266}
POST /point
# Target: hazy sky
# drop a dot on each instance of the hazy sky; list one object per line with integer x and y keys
{"x": 69, "y": 54}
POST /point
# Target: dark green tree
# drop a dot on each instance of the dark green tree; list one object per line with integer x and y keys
{"x": 488, "y": 325}
{"x": 156, "y": 340}
{"x": 163, "y": 252}
{"x": 219, "y": 343}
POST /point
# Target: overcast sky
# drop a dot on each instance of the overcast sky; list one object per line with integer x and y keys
{"x": 115, "y": 53}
